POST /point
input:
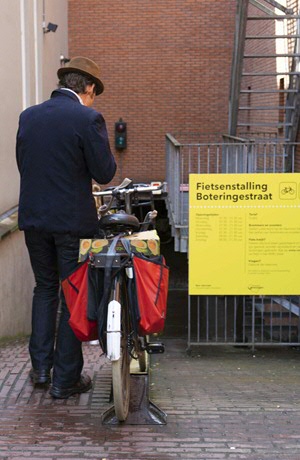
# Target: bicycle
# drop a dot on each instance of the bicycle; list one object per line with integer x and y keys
{"x": 123, "y": 341}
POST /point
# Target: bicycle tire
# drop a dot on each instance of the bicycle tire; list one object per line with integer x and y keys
{"x": 121, "y": 367}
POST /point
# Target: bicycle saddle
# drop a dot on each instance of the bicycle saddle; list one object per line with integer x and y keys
{"x": 119, "y": 220}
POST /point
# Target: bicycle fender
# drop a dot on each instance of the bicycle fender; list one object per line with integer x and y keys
{"x": 113, "y": 330}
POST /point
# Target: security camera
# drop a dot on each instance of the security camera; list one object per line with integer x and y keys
{"x": 64, "y": 59}
{"x": 50, "y": 28}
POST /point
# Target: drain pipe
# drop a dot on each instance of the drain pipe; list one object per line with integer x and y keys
{"x": 37, "y": 57}
{"x": 44, "y": 15}
{"x": 25, "y": 102}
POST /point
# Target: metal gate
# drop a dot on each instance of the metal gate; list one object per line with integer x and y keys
{"x": 231, "y": 320}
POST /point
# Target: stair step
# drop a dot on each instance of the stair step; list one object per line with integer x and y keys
{"x": 284, "y": 321}
{"x": 268, "y": 91}
{"x": 270, "y": 125}
{"x": 270, "y": 37}
{"x": 275, "y": 140}
{"x": 268, "y": 74}
{"x": 274, "y": 16}
{"x": 265, "y": 56}
{"x": 279, "y": 107}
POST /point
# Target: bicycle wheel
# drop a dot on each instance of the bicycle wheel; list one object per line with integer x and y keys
{"x": 121, "y": 367}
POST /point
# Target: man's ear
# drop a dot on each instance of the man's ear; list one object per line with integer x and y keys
{"x": 90, "y": 89}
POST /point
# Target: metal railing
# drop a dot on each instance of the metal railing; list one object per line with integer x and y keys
{"x": 227, "y": 155}
{"x": 244, "y": 320}
{"x": 238, "y": 320}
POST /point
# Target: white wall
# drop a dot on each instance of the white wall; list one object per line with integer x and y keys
{"x": 54, "y": 44}
{"x": 11, "y": 100}
{"x": 29, "y": 61}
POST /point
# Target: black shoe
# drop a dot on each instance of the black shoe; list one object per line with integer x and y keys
{"x": 84, "y": 384}
{"x": 40, "y": 376}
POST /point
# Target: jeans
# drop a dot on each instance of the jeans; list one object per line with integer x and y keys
{"x": 53, "y": 256}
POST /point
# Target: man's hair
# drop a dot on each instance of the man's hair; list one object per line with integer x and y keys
{"x": 75, "y": 81}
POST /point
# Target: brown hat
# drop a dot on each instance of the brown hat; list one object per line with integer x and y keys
{"x": 86, "y": 67}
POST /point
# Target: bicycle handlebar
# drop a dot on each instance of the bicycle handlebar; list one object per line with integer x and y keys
{"x": 125, "y": 191}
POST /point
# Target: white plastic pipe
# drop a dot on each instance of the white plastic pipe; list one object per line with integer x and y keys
{"x": 25, "y": 102}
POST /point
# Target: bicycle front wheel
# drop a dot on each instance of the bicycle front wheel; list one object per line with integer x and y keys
{"x": 121, "y": 367}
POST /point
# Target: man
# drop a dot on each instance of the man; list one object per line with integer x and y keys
{"x": 62, "y": 144}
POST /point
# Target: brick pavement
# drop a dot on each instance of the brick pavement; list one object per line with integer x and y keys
{"x": 221, "y": 404}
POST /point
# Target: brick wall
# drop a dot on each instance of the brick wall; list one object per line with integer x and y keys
{"x": 166, "y": 68}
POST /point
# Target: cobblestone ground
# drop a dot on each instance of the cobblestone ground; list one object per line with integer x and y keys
{"x": 221, "y": 404}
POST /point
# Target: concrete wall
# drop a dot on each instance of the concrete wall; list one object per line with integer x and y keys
{"x": 16, "y": 282}
{"x": 30, "y": 60}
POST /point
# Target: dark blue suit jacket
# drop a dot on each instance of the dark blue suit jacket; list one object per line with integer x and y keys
{"x": 61, "y": 146}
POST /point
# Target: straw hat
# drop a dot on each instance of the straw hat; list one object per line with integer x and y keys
{"x": 86, "y": 67}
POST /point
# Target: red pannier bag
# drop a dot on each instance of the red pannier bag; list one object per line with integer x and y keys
{"x": 75, "y": 289}
{"x": 151, "y": 283}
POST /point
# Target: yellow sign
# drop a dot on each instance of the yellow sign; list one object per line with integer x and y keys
{"x": 244, "y": 234}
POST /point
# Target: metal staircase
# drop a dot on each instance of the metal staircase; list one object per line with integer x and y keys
{"x": 264, "y": 94}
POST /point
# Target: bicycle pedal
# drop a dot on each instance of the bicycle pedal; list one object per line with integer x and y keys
{"x": 155, "y": 348}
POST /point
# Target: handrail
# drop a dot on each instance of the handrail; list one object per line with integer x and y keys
{"x": 173, "y": 140}
{"x": 235, "y": 139}
{"x": 237, "y": 64}
{"x": 292, "y": 98}
{"x": 8, "y": 222}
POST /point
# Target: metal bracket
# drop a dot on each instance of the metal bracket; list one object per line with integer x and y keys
{"x": 99, "y": 260}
